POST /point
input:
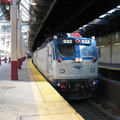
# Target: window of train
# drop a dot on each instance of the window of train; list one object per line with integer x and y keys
{"x": 66, "y": 51}
{"x": 87, "y": 51}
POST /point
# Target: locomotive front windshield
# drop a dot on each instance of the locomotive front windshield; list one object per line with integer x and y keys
{"x": 70, "y": 50}
{"x": 87, "y": 51}
{"x": 66, "y": 51}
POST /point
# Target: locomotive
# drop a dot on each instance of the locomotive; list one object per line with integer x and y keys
{"x": 70, "y": 64}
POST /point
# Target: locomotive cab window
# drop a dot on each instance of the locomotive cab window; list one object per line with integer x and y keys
{"x": 66, "y": 50}
{"x": 87, "y": 51}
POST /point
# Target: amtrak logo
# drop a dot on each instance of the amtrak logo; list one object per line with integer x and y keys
{"x": 77, "y": 66}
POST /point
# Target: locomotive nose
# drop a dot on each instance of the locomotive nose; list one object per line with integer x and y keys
{"x": 78, "y": 60}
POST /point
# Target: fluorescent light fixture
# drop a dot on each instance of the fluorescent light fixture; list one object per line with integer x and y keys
{"x": 101, "y": 46}
{"x": 80, "y": 28}
{"x": 85, "y": 25}
{"x": 117, "y": 43}
{"x": 33, "y": 2}
{"x": 118, "y": 6}
{"x": 111, "y": 11}
{"x": 102, "y": 16}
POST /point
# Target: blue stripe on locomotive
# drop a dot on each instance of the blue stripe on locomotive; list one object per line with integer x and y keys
{"x": 77, "y": 48}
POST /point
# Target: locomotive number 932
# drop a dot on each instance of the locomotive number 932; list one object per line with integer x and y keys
{"x": 70, "y": 64}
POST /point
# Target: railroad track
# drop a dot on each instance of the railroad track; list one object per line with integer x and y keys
{"x": 108, "y": 111}
{"x": 90, "y": 110}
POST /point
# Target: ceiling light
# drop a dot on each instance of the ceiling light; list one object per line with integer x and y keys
{"x": 118, "y": 6}
{"x": 80, "y": 28}
{"x": 33, "y": 2}
{"x": 117, "y": 43}
{"x": 85, "y": 25}
{"x": 111, "y": 11}
{"x": 102, "y": 16}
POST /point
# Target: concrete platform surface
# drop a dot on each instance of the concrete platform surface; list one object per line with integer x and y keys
{"x": 31, "y": 97}
{"x": 16, "y": 97}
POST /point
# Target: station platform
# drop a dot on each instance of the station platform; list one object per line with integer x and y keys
{"x": 31, "y": 97}
{"x": 109, "y": 66}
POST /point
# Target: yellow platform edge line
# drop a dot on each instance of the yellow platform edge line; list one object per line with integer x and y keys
{"x": 47, "y": 110}
{"x": 109, "y": 68}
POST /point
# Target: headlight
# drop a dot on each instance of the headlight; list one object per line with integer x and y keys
{"x": 78, "y": 60}
{"x": 62, "y": 71}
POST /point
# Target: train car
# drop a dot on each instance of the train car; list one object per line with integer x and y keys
{"x": 70, "y": 64}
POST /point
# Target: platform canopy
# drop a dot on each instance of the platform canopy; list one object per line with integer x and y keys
{"x": 44, "y": 18}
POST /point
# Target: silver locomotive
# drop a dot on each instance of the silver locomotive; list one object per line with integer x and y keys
{"x": 70, "y": 64}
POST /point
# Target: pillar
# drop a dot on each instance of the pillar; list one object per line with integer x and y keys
{"x": 19, "y": 47}
{"x": 14, "y": 67}
{"x": 0, "y": 49}
{"x": 5, "y": 52}
{"x": 19, "y": 39}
